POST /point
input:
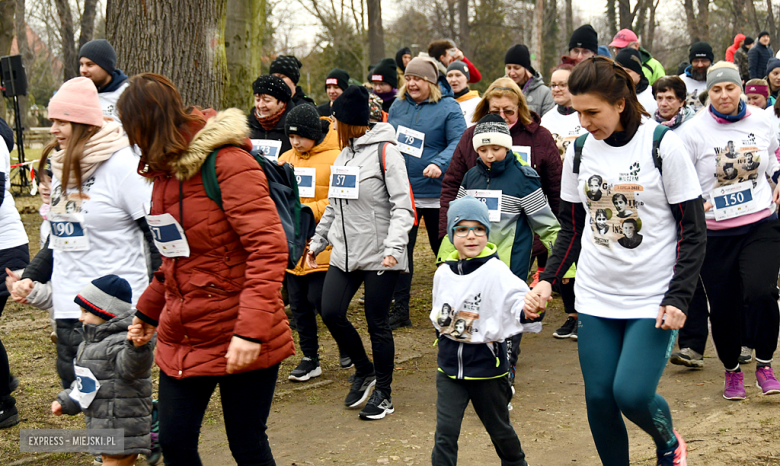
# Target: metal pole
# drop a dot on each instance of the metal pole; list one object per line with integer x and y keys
{"x": 20, "y": 143}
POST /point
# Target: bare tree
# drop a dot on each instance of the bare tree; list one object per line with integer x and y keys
{"x": 87, "y": 22}
{"x": 187, "y": 44}
{"x": 770, "y": 19}
{"x": 464, "y": 39}
{"x": 649, "y": 38}
{"x": 611, "y": 18}
{"x": 244, "y": 26}
{"x": 569, "y": 19}
{"x": 698, "y": 22}
{"x": 69, "y": 54}
{"x": 376, "y": 33}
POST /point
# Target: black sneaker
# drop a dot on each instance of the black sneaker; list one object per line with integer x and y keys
{"x": 400, "y": 318}
{"x": 746, "y": 355}
{"x": 13, "y": 383}
{"x": 568, "y": 329}
{"x": 362, "y": 300}
{"x": 307, "y": 369}
{"x": 9, "y": 416}
{"x": 359, "y": 391}
{"x": 155, "y": 455}
{"x": 345, "y": 361}
{"x": 378, "y": 406}
{"x": 574, "y": 335}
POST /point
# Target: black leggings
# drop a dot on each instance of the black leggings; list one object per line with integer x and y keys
{"x": 743, "y": 269}
{"x": 305, "y": 295}
{"x": 12, "y": 258}
{"x": 338, "y": 291}
{"x": 246, "y": 402}
{"x": 403, "y": 288}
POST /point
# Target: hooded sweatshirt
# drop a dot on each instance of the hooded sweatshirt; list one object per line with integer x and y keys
{"x": 733, "y": 48}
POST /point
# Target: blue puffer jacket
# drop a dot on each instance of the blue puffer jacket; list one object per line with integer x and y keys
{"x": 443, "y": 125}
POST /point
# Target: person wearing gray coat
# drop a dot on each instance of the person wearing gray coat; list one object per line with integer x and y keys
{"x": 114, "y": 385}
{"x": 367, "y": 222}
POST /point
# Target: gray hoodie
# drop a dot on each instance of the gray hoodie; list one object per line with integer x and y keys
{"x": 124, "y": 400}
{"x": 537, "y": 95}
{"x": 363, "y": 231}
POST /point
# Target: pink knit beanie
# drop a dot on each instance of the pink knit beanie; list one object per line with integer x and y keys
{"x": 77, "y": 102}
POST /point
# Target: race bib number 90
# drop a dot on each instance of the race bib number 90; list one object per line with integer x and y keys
{"x": 68, "y": 232}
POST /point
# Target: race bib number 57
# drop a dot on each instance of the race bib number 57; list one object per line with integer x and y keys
{"x": 344, "y": 182}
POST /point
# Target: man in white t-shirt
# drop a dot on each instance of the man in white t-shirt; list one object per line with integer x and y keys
{"x": 695, "y": 77}
{"x": 97, "y": 61}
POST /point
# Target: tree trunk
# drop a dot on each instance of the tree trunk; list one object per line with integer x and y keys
{"x": 770, "y": 19}
{"x": 376, "y": 33}
{"x": 692, "y": 22}
{"x": 182, "y": 40}
{"x": 538, "y": 42}
{"x": 641, "y": 18}
{"x": 650, "y": 38}
{"x": 70, "y": 61}
{"x": 611, "y": 18}
{"x": 550, "y": 48}
{"x": 465, "y": 28}
{"x": 704, "y": 20}
{"x": 20, "y": 25}
{"x": 751, "y": 16}
{"x": 7, "y": 30}
{"x": 739, "y": 17}
{"x": 243, "y": 49}
{"x": 87, "y": 22}
{"x": 624, "y": 8}
{"x": 569, "y": 19}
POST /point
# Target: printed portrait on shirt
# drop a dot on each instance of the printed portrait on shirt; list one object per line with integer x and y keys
{"x": 594, "y": 188}
{"x": 70, "y": 202}
{"x": 463, "y": 322}
{"x": 631, "y": 236}
{"x": 445, "y": 315}
{"x": 614, "y": 210}
{"x": 737, "y": 163}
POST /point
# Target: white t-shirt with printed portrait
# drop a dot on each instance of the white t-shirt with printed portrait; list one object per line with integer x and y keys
{"x": 629, "y": 245}
{"x": 564, "y": 128}
{"x": 112, "y": 199}
{"x": 12, "y": 233}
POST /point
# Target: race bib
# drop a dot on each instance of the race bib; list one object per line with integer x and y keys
{"x": 267, "y": 148}
{"x": 68, "y": 232}
{"x": 86, "y": 387}
{"x": 733, "y": 201}
{"x": 344, "y": 182}
{"x": 491, "y": 198}
{"x": 410, "y": 141}
{"x": 305, "y": 178}
{"x": 524, "y": 152}
{"x": 168, "y": 235}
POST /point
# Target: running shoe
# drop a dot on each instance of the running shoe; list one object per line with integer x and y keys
{"x": 746, "y": 355}
{"x": 735, "y": 386}
{"x": 345, "y": 361}
{"x": 359, "y": 391}
{"x": 676, "y": 457}
{"x": 307, "y": 369}
{"x": 400, "y": 317}
{"x": 535, "y": 281}
{"x": 766, "y": 381}
{"x": 156, "y": 455}
{"x": 13, "y": 383}
{"x": 9, "y": 415}
{"x": 688, "y": 358}
{"x": 568, "y": 329}
{"x": 378, "y": 406}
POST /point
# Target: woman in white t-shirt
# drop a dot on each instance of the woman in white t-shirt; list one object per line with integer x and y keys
{"x": 97, "y": 213}
{"x": 734, "y": 149}
{"x": 562, "y": 121}
{"x": 636, "y": 276}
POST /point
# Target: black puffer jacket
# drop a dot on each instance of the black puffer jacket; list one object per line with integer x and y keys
{"x": 124, "y": 400}
{"x": 277, "y": 134}
{"x": 300, "y": 97}
{"x": 7, "y": 134}
{"x": 758, "y": 56}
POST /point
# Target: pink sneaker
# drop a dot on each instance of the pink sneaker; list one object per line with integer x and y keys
{"x": 766, "y": 381}
{"x": 735, "y": 386}
{"x": 677, "y": 457}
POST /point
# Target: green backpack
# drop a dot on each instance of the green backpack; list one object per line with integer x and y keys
{"x": 297, "y": 219}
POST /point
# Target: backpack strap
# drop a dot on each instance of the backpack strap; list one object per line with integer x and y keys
{"x": 210, "y": 183}
{"x": 578, "y": 144}
{"x": 658, "y": 135}
{"x": 380, "y": 152}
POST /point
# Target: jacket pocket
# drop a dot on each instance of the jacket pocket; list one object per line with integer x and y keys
{"x": 214, "y": 283}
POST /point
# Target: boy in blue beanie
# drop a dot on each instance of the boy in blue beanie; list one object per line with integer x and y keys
{"x": 477, "y": 306}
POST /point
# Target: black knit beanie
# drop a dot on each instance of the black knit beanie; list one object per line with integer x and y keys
{"x": 101, "y": 53}
{"x": 338, "y": 77}
{"x": 304, "y": 120}
{"x": 586, "y": 37}
{"x": 351, "y": 107}
{"x": 458, "y": 65}
{"x": 287, "y": 65}
{"x": 519, "y": 55}
{"x": 630, "y": 58}
{"x": 700, "y": 50}
{"x": 272, "y": 85}
{"x": 748, "y": 40}
{"x": 762, "y": 34}
{"x": 399, "y": 57}
{"x": 385, "y": 72}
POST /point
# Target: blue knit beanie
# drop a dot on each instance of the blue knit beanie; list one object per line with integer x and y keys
{"x": 772, "y": 64}
{"x": 467, "y": 208}
{"x": 106, "y": 297}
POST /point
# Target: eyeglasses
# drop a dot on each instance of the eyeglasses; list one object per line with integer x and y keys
{"x": 561, "y": 86}
{"x": 507, "y": 112}
{"x": 478, "y": 230}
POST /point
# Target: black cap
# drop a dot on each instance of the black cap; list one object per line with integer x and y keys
{"x": 700, "y": 50}
{"x": 399, "y": 57}
{"x": 586, "y": 37}
{"x": 272, "y": 85}
{"x": 385, "y": 72}
{"x": 304, "y": 120}
{"x": 338, "y": 77}
{"x": 287, "y": 65}
{"x": 630, "y": 58}
{"x": 518, "y": 54}
{"x": 748, "y": 40}
{"x": 101, "y": 53}
{"x": 762, "y": 34}
{"x": 351, "y": 107}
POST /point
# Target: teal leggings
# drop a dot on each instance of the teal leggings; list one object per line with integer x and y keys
{"x": 622, "y": 361}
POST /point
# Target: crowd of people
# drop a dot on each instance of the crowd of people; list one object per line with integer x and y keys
{"x": 647, "y": 201}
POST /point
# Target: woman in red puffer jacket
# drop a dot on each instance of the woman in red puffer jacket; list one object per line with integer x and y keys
{"x": 215, "y": 302}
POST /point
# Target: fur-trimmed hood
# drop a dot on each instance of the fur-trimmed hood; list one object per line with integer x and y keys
{"x": 228, "y": 127}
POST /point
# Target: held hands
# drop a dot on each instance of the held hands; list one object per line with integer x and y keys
{"x": 389, "y": 261}
{"x": 675, "y": 318}
{"x": 56, "y": 408}
{"x": 776, "y": 194}
{"x": 241, "y": 353}
{"x": 536, "y": 299}
{"x": 18, "y": 288}
{"x": 311, "y": 260}
{"x": 708, "y": 204}
{"x": 432, "y": 171}
{"x": 140, "y": 332}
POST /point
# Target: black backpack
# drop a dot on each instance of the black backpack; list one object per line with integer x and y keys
{"x": 297, "y": 219}
{"x": 658, "y": 135}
